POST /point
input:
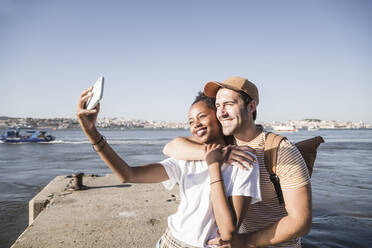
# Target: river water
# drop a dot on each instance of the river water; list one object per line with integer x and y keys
{"x": 341, "y": 181}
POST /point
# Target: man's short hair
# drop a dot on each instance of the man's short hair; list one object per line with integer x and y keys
{"x": 210, "y": 101}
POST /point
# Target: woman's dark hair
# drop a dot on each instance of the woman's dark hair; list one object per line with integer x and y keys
{"x": 247, "y": 99}
{"x": 210, "y": 101}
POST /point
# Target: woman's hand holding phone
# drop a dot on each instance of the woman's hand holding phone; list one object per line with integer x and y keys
{"x": 87, "y": 118}
{"x": 88, "y": 108}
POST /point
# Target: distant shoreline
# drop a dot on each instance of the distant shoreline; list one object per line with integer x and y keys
{"x": 121, "y": 123}
{"x": 151, "y": 129}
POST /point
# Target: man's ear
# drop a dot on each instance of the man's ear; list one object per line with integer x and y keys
{"x": 252, "y": 106}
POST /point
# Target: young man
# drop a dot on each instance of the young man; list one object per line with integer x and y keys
{"x": 267, "y": 223}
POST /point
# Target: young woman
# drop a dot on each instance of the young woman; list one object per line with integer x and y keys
{"x": 203, "y": 185}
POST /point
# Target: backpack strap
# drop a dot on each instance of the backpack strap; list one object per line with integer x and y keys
{"x": 271, "y": 151}
{"x": 272, "y": 143}
{"x": 307, "y": 148}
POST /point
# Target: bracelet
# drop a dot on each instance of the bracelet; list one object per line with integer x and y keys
{"x": 219, "y": 180}
{"x": 99, "y": 141}
{"x": 102, "y": 139}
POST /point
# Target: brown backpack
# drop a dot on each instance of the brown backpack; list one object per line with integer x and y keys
{"x": 307, "y": 148}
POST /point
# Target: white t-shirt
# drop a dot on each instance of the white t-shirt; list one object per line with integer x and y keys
{"x": 194, "y": 222}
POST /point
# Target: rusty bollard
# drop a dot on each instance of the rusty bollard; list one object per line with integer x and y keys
{"x": 77, "y": 180}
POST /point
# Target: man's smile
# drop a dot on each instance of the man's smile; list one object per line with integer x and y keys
{"x": 225, "y": 122}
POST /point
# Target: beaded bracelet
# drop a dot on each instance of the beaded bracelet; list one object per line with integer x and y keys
{"x": 219, "y": 180}
{"x": 103, "y": 138}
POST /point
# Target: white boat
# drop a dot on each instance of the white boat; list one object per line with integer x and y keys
{"x": 282, "y": 128}
{"x": 312, "y": 128}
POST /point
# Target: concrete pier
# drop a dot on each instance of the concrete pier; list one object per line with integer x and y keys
{"x": 105, "y": 214}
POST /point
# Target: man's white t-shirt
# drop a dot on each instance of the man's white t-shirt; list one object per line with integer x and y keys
{"x": 194, "y": 222}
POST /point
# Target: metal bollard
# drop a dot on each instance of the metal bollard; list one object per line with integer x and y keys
{"x": 77, "y": 180}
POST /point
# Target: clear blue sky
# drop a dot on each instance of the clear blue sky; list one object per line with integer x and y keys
{"x": 310, "y": 59}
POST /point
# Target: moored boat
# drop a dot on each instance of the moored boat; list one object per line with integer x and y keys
{"x": 33, "y": 136}
{"x": 282, "y": 128}
{"x": 312, "y": 128}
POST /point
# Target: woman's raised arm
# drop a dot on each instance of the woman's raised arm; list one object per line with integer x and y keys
{"x": 151, "y": 173}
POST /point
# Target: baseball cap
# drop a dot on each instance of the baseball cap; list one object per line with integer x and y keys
{"x": 232, "y": 83}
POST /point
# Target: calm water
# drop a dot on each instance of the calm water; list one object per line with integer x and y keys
{"x": 341, "y": 182}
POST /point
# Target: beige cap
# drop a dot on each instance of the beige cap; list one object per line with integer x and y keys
{"x": 233, "y": 83}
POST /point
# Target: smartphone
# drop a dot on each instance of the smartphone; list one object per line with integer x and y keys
{"x": 97, "y": 94}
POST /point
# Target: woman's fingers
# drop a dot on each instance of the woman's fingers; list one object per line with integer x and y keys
{"x": 83, "y": 112}
{"x": 86, "y": 91}
{"x": 83, "y": 99}
{"x": 84, "y": 96}
{"x": 211, "y": 147}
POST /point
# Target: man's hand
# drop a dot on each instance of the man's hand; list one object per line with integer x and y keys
{"x": 236, "y": 242}
{"x": 218, "y": 243}
{"x": 242, "y": 156}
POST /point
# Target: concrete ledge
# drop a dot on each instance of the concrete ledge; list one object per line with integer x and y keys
{"x": 57, "y": 186}
{"x": 107, "y": 214}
